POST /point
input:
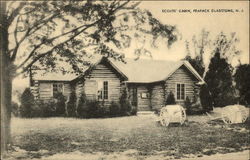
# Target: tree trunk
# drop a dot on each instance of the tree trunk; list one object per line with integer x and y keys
{"x": 6, "y": 81}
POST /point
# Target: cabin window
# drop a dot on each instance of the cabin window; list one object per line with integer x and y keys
{"x": 144, "y": 95}
{"x": 102, "y": 90}
{"x": 57, "y": 88}
{"x": 180, "y": 91}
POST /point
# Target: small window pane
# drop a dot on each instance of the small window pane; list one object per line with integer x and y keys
{"x": 178, "y": 91}
{"x": 105, "y": 93}
{"x": 182, "y": 91}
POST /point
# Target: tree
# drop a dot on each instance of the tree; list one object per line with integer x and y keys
{"x": 124, "y": 103}
{"x": 170, "y": 99}
{"x": 205, "y": 98}
{"x": 41, "y": 34}
{"x": 204, "y": 46}
{"x": 71, "y": 106}
{"x": 199, "y": 47}
{"x": 81, "y": 106}
{"x": 219, "y": 81}
{"x": 242, "y": 80}
{"x": 60, "y": 104}
{"x": 27, "y": 102}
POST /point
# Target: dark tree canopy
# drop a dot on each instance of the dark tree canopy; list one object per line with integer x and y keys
{"x": 219, "y": 81}
{"x": 242, "y": 79}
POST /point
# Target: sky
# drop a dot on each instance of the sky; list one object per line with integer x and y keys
{"x": 190, "y": 24}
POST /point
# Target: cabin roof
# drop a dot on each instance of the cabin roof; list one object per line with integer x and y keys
{"x": 134, "y": 71}
{"x": 149, "y": 71}
{"x": 41, "y": 75}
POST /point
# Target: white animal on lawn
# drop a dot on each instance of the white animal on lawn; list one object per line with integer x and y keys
{"x": 172, "y": 114}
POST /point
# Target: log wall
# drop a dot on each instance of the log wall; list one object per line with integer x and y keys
{"x": 182, "y": 75}
{"x": 157, "y": 96}
{"x": 45, "y": 89}
{"x": 102, "y": 72}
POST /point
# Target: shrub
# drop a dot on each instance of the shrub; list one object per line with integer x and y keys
{"x": 45, "y": 109}
{"x": 60, "y": 104}
{"x": 82, "y": 108}
{"x": 242, "y": 83}
{"x": 15, "y": 109}
{"x": 114, "y": 109}
{"x": 71, "y": 105}
{"x": 125, "y": 106}
{"x": 206, "y": 99}
{"x": 170, "y": 99}
{"x": 219, "y": 80}
{"x": 133, "y": 110}
{"x": 27, "y": 101}
{"x": 92, "y": 109}
{"x": 188, "y": 105}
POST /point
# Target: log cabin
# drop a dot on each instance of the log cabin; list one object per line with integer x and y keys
{"x": 147, "y": 82}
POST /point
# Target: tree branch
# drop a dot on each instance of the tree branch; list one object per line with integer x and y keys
{"x": 64, "y": 42}
{"x": 15, "y": 12}
{"x": 55, "y": 47}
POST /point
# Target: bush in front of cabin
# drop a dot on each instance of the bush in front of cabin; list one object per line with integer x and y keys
{"x": 170, "y": 99}
{"x": 15, "y": 109}
{"x": 188, "y": 105}
{"x": 27, "y": 103}
{"x": 82, "y": 108}
{"x": 133, "y": 110}
{"x": 125, "y": 106}
{"x": 206, "y": 99}
{"x": 60, "y": 104}
{"x": 71, "y": 105}
{"x": 93, "y": 109}
{"x": 45, "y": 108}
{"x": 114, "y": 109}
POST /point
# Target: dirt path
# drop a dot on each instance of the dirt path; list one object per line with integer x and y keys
{"x": 126, "y": 156}
{"x": 133, "y": 155}
{"x": 245, "y": 155}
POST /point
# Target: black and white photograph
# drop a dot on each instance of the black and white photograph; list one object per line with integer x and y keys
{"x": 125, "y": 80}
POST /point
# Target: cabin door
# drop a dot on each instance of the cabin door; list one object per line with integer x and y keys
{"x": 134, "y": 96}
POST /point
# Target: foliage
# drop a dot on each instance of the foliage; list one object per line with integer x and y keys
{"x": 81, "y": 106}
{"x": 133, "y": 110}
{"x": 45, "y": 109}
{"x": 60, "y": 104}
{"x": 219, "y": 81}
{"x": 71, "y": 105}
{"x": 114, "y": 109}
{"x": 93, "y": 109}
{"x": 124, "y": 103}
{"x": 196, "y": 63}
{"x": 15, "y": 109}
{"x": 27, "y": 102}
{"x": 83, "y": 24}
{"x": 203, "y": 46}
{"x": 188, "y": 105}
{"x": 170, "y": 99}
{"x": 242, "y": 79}
{"x": 205, "y": 98}
{"x": 196, "y": 56}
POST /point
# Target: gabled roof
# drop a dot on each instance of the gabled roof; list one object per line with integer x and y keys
{"x": 105, "y": 60}
{"x": 41, "y": 75}
{"x": 133, "y": 71}
{"x": 149, "y": 71}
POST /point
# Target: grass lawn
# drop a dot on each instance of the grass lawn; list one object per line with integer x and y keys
{"x": 140, "y": 133}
